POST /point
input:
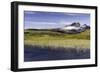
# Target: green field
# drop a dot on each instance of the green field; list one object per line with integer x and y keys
{"x": 57, "y": 39}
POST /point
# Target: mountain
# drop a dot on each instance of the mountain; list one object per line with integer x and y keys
{"x": 86, "y": 26}
{"x": 73, "y": 28}
{"x": 76, "y": 24}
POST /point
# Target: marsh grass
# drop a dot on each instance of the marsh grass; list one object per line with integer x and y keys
{"x": 56, "y": 39}
{"x": 60, "y": 43}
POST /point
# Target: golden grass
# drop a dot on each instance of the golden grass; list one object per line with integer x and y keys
{"x": 80, "y": 40}
{"x": 74, "y": 43}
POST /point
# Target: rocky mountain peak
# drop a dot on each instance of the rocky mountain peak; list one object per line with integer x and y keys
{"x": 76, "y": 24}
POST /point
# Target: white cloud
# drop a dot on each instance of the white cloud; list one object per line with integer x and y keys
{"x": 30, "y": 12}
{"x": 30, "y": 22}
{"x": 65, "y": 22}
{"x": 71, "y": 14}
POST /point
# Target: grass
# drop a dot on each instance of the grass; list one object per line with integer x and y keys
{"x": 56, "y": 39}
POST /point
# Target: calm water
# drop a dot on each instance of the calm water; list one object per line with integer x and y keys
{"x": 34, "y": 53}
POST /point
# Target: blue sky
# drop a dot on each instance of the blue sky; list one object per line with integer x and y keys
{"x": 43, "y": 20}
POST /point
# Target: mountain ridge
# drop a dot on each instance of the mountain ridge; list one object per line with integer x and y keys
{"x": 73, "y": 28}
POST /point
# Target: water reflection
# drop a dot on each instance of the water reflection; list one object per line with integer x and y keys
{"x": 36, "y": 53}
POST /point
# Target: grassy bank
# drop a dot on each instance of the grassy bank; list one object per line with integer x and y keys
{"x": 56, "y": 39}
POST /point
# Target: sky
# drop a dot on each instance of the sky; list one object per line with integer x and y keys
{"x": 46, "y": 20}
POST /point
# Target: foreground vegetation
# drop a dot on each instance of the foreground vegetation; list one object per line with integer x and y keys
{"x": 57, "y": 39}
